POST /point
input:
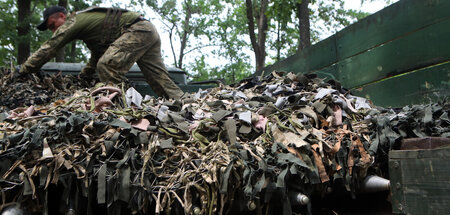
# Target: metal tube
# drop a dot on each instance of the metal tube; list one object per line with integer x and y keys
{"x": 299, "y": 199}
{"x": 13, "y": 210}
{"x": 251, "y": 205}
{"x": 373, "y": 183}
{"x": 197, "y": 210}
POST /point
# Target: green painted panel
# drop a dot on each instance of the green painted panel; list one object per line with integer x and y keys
{"x": 390, "y": 23}
{"x": 327, "y": 73}
{"x": 316, "y": 57}
{"x": 321, "y": 55}
{"x": 420, "y": 86}
{"x": 420, "y": 184}
{"x": 422, "y": 48}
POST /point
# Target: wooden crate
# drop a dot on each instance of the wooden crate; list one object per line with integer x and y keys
{"x": 420, "y": 178}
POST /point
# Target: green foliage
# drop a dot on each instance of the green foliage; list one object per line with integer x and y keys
{"x": 357, "y": 14}
{"x": 231, "y": 36}
{"x": 284, "y": 32}
{"x": 200, "y": 70}
{"x": 8, "y": 33}
{"x": 205, "y": 25}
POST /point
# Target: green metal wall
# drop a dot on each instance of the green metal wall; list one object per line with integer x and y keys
{"x": 395, "y": 57}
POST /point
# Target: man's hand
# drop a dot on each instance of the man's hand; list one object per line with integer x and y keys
{"x": 21, "y": 69}
{"x": 18, "y": 68}
{"x": 19, "y": 72}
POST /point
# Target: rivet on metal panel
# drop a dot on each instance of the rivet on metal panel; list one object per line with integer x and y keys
{"x": 329, "y": 190}
{"x": 398, "y": 186}
{"x": 396, "y": 164}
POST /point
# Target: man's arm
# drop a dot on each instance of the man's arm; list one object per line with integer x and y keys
{"x": 48, "y": 50}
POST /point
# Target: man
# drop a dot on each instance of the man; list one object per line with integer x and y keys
{"x": 117, "y": 39}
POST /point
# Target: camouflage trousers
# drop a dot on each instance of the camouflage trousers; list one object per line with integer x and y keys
{"x": 138, "y": 43}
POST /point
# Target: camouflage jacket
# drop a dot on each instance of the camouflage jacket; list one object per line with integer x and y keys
{"x": 90, "y": 26}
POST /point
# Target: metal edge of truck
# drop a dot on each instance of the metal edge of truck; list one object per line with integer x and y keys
{"x": 135, "y": 76}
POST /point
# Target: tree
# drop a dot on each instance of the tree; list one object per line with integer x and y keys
{"x": 18, "y": 40}
{"x": 8, "y": 32}
{"x": 231, "y": 36}
{"x": 282, "y": 30}
{"x": 186, "y": 21}
{"x": 291, "y": 31}
{"x": 23, "y": 28}
{"x": 258, "y": 40}
{"x": 304, "y": 27}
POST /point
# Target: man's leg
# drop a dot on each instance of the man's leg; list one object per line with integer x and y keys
{"x": 154, "y": 70}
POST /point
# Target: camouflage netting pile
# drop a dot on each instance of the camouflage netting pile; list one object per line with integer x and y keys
{"x": 224, "y": 150}
{"x": 35, "y": 89}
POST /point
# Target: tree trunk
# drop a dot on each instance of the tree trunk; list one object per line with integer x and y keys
{"x": 278, "y": 43}
{"x": 258, "y": 44}
{"x": 303, "y": 19}
{"x": 186, "y": 32}
{"x": 60, "y": 54}
{"x": 24, "y": 12}
{"x": 73, "y": 52}
{"x": 171, "y": 31}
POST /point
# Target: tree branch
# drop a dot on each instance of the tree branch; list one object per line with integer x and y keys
{"x": 186, "y": 32}
{"x": 199, "y": 47}
{"x": 171, "y": 45}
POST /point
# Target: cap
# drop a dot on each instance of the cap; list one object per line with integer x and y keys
{"x": 47, "y": 13}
